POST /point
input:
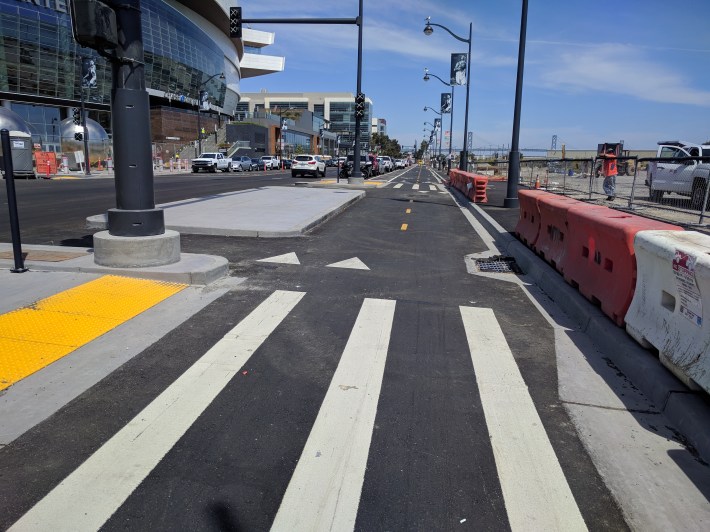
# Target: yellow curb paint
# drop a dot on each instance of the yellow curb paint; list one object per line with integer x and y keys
{"x": 408, "y": 211}
{"x": 404, "y": 227}
{"x": 33, "y": 337}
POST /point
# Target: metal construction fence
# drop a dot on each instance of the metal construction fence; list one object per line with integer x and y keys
{"x": 671, "y": 190}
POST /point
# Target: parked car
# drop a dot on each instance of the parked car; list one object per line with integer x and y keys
{"x": 241, "y": 163}
{"x": 257, "y": 164}
{"x": 307, "y": 164}
{"x": 387, "y": 163}
{"x": 399, "y": 163}
{"x": 211, "y": 162}
{"x": 287, "y": 163}
{"x": 272, "y": 162}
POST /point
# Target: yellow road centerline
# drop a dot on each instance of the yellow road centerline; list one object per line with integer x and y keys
{"x": 408, "y": 211}
{"x": 404, "y": 227}
{"x": 34, "y": 336}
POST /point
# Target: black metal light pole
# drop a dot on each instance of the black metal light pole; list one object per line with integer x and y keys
{"x": 135, "y": 213}
{"x": 451, "y": 111}
{"x": 511, "y": 199}
{"x": 428, "y": 30}
{"x": 199, "y": 107}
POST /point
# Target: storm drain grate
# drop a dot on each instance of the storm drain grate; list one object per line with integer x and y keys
{"x": 497, "y": 264}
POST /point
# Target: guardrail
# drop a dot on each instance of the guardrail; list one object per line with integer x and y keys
{"x": 583, "y": 179}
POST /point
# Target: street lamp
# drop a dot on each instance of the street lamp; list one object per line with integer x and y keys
{"x": 434, "y": 133}
{"x": 442, "y": 133}
{"x": 451, "y": 111}
{"x": 511, "y": 199}
{"x": 428, "y": 30}
{"x": 199, "y": 105}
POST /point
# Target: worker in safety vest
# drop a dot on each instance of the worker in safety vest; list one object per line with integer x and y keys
{"x": 610, "y": 173}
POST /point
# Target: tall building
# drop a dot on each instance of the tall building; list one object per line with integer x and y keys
{"x": 337, "y": 109}
{"x": 187, "y": 47}
{"x": 379, "y": 126}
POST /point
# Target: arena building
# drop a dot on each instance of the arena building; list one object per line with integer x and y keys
{"x": 45, "y": 74}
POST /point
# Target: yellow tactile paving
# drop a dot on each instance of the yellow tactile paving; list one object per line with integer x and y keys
{"x": 33, "y": 337}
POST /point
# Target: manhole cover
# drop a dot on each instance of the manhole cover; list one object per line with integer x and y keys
{"x": 497, "y": 265}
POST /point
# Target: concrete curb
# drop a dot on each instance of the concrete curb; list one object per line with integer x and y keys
{"x": 689, "y": 411}
{"x": 192, "y": 268}
{"x": 302, "y": 226}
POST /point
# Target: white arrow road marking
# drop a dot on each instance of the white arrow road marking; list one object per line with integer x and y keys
{"x": 97, "y": 488}
{"x": 535, "y": 490}
{"x": 324, "y": 492}
{"x": 354, "y": 263}
{"x": 286, "y": 258}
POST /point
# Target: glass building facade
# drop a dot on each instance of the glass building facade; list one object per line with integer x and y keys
{"x": 41, "y": 64}
{"x": 342, "y": 122}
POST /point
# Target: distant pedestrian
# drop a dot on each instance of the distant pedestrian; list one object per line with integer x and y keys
{"x": 610, "y": 173}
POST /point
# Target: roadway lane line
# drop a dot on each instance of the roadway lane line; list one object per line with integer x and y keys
{"x": 404, "y": 227}
{"x": 88, "y": 497}
{"x": 324, "y": 491}
{"x": 415, "y": 187}
{"x": 399, "y": 185}
{"x": 535, "y": 489}
{"x": 433, "y": 187}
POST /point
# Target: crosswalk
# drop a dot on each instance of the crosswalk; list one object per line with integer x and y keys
{"x": 324, "y": 491}
{"x": 422, "y": 188}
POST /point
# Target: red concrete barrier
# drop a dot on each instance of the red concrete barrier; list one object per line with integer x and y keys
{"x": 528, "y": 225}
{"x": 600, "y": 259}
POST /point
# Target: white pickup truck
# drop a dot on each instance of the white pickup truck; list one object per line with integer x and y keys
{"x": 686, "y": 178}
{"x": 271, "y": 162}
{"x": 211, "y": 162}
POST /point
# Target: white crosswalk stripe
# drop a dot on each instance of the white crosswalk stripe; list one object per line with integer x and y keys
{"x": 399, "y": 185}
{"x": 324, "y": 492}
{"x": 325, "y": 489}
{"x": 534, "y": 487}
{"x": 94, "y": 491}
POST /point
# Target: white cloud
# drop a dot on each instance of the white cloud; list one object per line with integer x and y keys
{"x": 618, "y": 69}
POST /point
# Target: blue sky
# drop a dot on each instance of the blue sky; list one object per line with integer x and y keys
{"x": 595, "y": 71}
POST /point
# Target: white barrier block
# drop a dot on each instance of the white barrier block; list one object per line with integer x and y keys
{"x": 670, "y": 309}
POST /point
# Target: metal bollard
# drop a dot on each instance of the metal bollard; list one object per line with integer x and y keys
{"x": 12, "y": 203}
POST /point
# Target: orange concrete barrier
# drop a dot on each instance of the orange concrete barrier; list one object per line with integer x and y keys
{"x": 473, "y": 186}
{"x": 554, "y": 229}
{"x": 528, "y": 225}
{"x": 600, "y": 259}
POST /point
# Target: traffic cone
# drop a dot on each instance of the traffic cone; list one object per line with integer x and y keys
{"x": 537, "y": 181}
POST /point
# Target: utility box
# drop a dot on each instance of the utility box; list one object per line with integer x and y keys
{"x": 21, "y": 148}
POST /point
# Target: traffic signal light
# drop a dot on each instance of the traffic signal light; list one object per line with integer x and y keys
{"x": 78, "y": 136}
{"x": 94, "y": 24}
{"x": 235, "y": 22}
{"x": 76, "y": 115}
{"x": 360, "y": 106}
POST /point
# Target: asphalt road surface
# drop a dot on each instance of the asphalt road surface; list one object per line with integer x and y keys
{"x": 359, "y": 378}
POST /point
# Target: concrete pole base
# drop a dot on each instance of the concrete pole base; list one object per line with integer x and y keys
{"x": 136, "y": 251}
{"x": 356, "y": 180}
